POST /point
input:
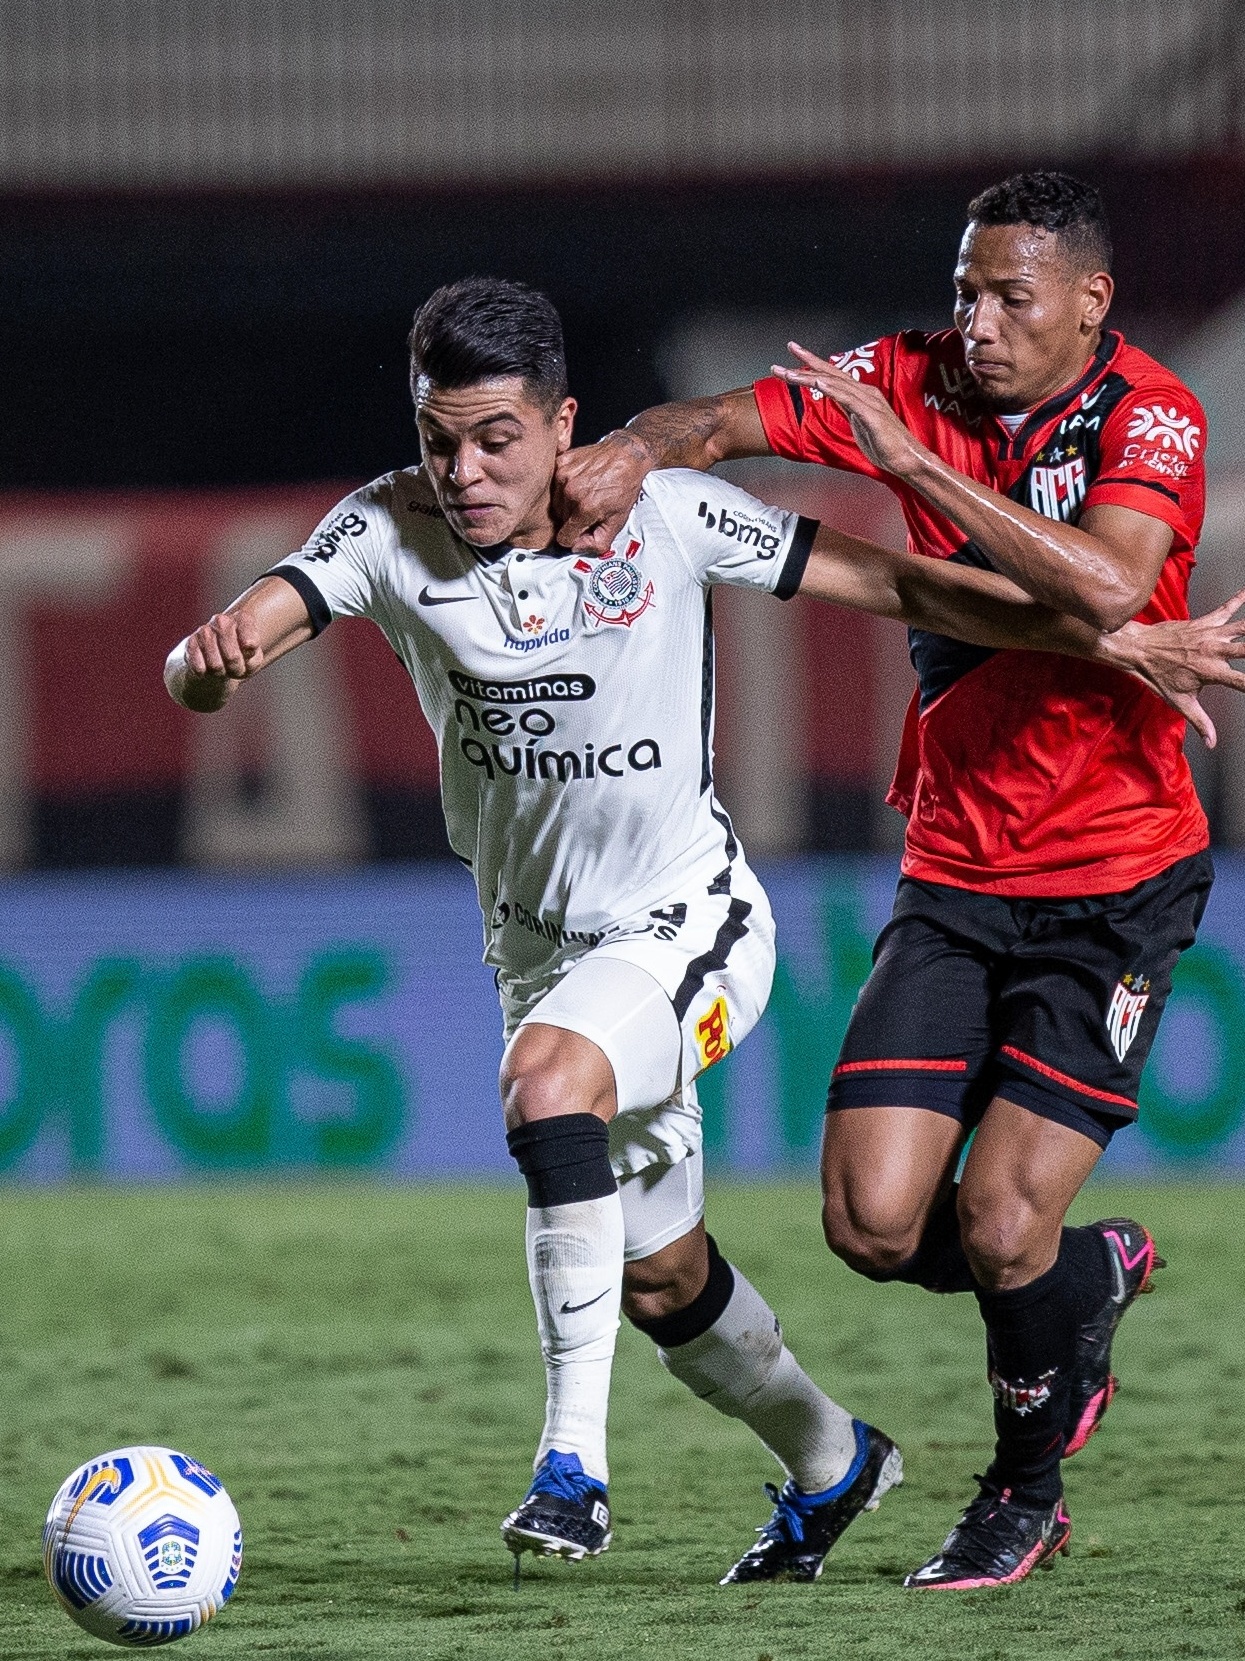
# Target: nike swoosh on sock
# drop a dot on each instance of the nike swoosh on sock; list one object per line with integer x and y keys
{"x": 574, "y": 1308}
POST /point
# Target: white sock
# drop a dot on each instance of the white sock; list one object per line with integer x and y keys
{"x": 742, "y": 1367}
{"x": 575, "y": 1268}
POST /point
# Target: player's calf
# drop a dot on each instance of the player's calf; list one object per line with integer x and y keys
{"x": 727, "y": 1346}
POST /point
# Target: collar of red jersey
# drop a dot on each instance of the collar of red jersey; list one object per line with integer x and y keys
{"x": 1058, "y": 404}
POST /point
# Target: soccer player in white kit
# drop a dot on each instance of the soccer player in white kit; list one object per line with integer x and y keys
{"x": 572, "y": 699}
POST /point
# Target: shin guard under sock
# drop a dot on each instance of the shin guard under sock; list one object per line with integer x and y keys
{"x": 727, "y": 1347}
{"x": 1083, "y": 1252}
{"x": 574, "y": 1242}
{"x": 1031, "y": 1344}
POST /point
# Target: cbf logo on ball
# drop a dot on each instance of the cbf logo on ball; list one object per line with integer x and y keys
{"x": 615, "y": 588}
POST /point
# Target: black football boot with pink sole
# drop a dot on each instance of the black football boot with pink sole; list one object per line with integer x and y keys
{"x": 999, "y": 1540}
{"x": 1133, "y": 1260}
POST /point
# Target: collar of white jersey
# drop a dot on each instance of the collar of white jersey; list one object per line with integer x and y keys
{"x": 498, "y": 551}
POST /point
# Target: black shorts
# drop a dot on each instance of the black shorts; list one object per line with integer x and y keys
{"x": 1053, "y": 1004}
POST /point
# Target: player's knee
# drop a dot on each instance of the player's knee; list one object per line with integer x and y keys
{"x": 537, "y": 1092}
{"x": 871, "y": 1238}
{"x": 652, "y": 1295}
{"x": 1001, "y": 1235}
{"x": 545, "y": 1074}
{"x": 670, "y": 1280}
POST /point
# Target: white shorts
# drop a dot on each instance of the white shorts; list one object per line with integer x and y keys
{"x": 664, "y": 996}
{"x": 661, "y": 1203}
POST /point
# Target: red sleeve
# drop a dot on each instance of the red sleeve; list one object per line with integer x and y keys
{"x": 1152, "y": 458}
{"x": 805, "y": 426}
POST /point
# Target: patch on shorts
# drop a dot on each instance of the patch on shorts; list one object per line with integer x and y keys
{"x": 1124, "y": 1012}
{"x": 713, "y": 1034}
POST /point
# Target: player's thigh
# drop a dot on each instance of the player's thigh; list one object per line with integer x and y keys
{"x": 713, "y": 954}
{"x": 666, "y": 994}
{"x": 661, "y": 1204}
{"x": 1078, "y": 1008}
{"x": 619, "y": 1010}
{"x": 666, "y": 1256}
{"x": 911, "y": 1076}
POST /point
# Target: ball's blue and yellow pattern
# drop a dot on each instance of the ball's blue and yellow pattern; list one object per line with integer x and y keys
{"x": 142, "y": 1546}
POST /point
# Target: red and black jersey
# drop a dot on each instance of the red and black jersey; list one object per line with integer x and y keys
{"x": 1026, "y": 773}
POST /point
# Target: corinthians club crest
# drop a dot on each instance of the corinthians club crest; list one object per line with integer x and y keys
{"x": 1126, "y": 1008}
{"x": 617, "y": 591}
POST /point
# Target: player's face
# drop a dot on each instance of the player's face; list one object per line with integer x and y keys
{"x": 490, "y": 452}
{"x": 1030, "y": 317}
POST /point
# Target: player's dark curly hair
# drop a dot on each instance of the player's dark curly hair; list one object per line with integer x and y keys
{"x": 485, "y": 327}
{"x": 1057, "y": 202}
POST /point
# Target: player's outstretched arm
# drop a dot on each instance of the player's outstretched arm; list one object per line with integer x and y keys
{"x": 203, "y": 671}
{"x": 1103, "y": 570}
{"x": 1175, "y": 659}
{"x": 596, "y": 485}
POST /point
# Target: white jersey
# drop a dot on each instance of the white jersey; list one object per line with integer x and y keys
{"x": 571, "y": 695}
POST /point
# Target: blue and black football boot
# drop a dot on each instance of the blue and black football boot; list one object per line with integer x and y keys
{"x": 794, "y": 1542}
{"x": 1133, "y": 1260}
{"x": 566, "y": 1512}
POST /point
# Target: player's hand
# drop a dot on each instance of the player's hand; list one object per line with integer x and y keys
{"x": 880, "y": 435}
{"x": 226, "y": 647}
{"x": 1178, "y": 659}
{"x": 209, "y": 665}
{"x": 594, "y": 489}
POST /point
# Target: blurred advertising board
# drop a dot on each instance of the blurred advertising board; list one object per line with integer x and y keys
{"x": 159, "y": 1025}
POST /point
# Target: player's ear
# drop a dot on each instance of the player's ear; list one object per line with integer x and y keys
{"x": 564, "y": 421}
{"x": 1097, "y": 291}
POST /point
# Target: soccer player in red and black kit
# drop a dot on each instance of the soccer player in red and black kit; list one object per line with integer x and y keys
{"x": 1056, "y": 859}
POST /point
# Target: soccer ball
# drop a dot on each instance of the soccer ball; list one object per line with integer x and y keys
{"x": 142, "y": 1546}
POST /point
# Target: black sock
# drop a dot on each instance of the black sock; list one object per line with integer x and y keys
{"x": 938, "y": 1264}
{"x": 1084, "y": 1251}
{"x": 1031, "y": 1342}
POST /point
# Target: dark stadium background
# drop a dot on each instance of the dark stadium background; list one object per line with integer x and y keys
{"x": 215, "y": 225}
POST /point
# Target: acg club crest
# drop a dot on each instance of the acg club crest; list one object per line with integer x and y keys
{"x": 617, "y": 591}
{"x": 1127, "y": 1006}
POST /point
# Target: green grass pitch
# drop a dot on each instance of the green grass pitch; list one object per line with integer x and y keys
{"x": 359, "y": 1365}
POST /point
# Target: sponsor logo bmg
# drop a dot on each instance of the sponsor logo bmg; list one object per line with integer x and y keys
{"x": 331, "y": 538}
{"x": 752, "y": 533}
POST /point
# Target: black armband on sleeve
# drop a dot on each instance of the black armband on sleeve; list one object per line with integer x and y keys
{"x": 301, "y": 583}
{"x": 797, "y": 557}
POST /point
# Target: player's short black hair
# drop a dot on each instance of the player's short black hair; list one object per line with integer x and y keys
{"x": 484, "y": 328}
{"x": 1056, "y": 202}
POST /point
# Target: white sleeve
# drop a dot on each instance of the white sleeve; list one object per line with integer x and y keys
{"x": 728, "y": 536}
{"x": 335, "y": 571}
